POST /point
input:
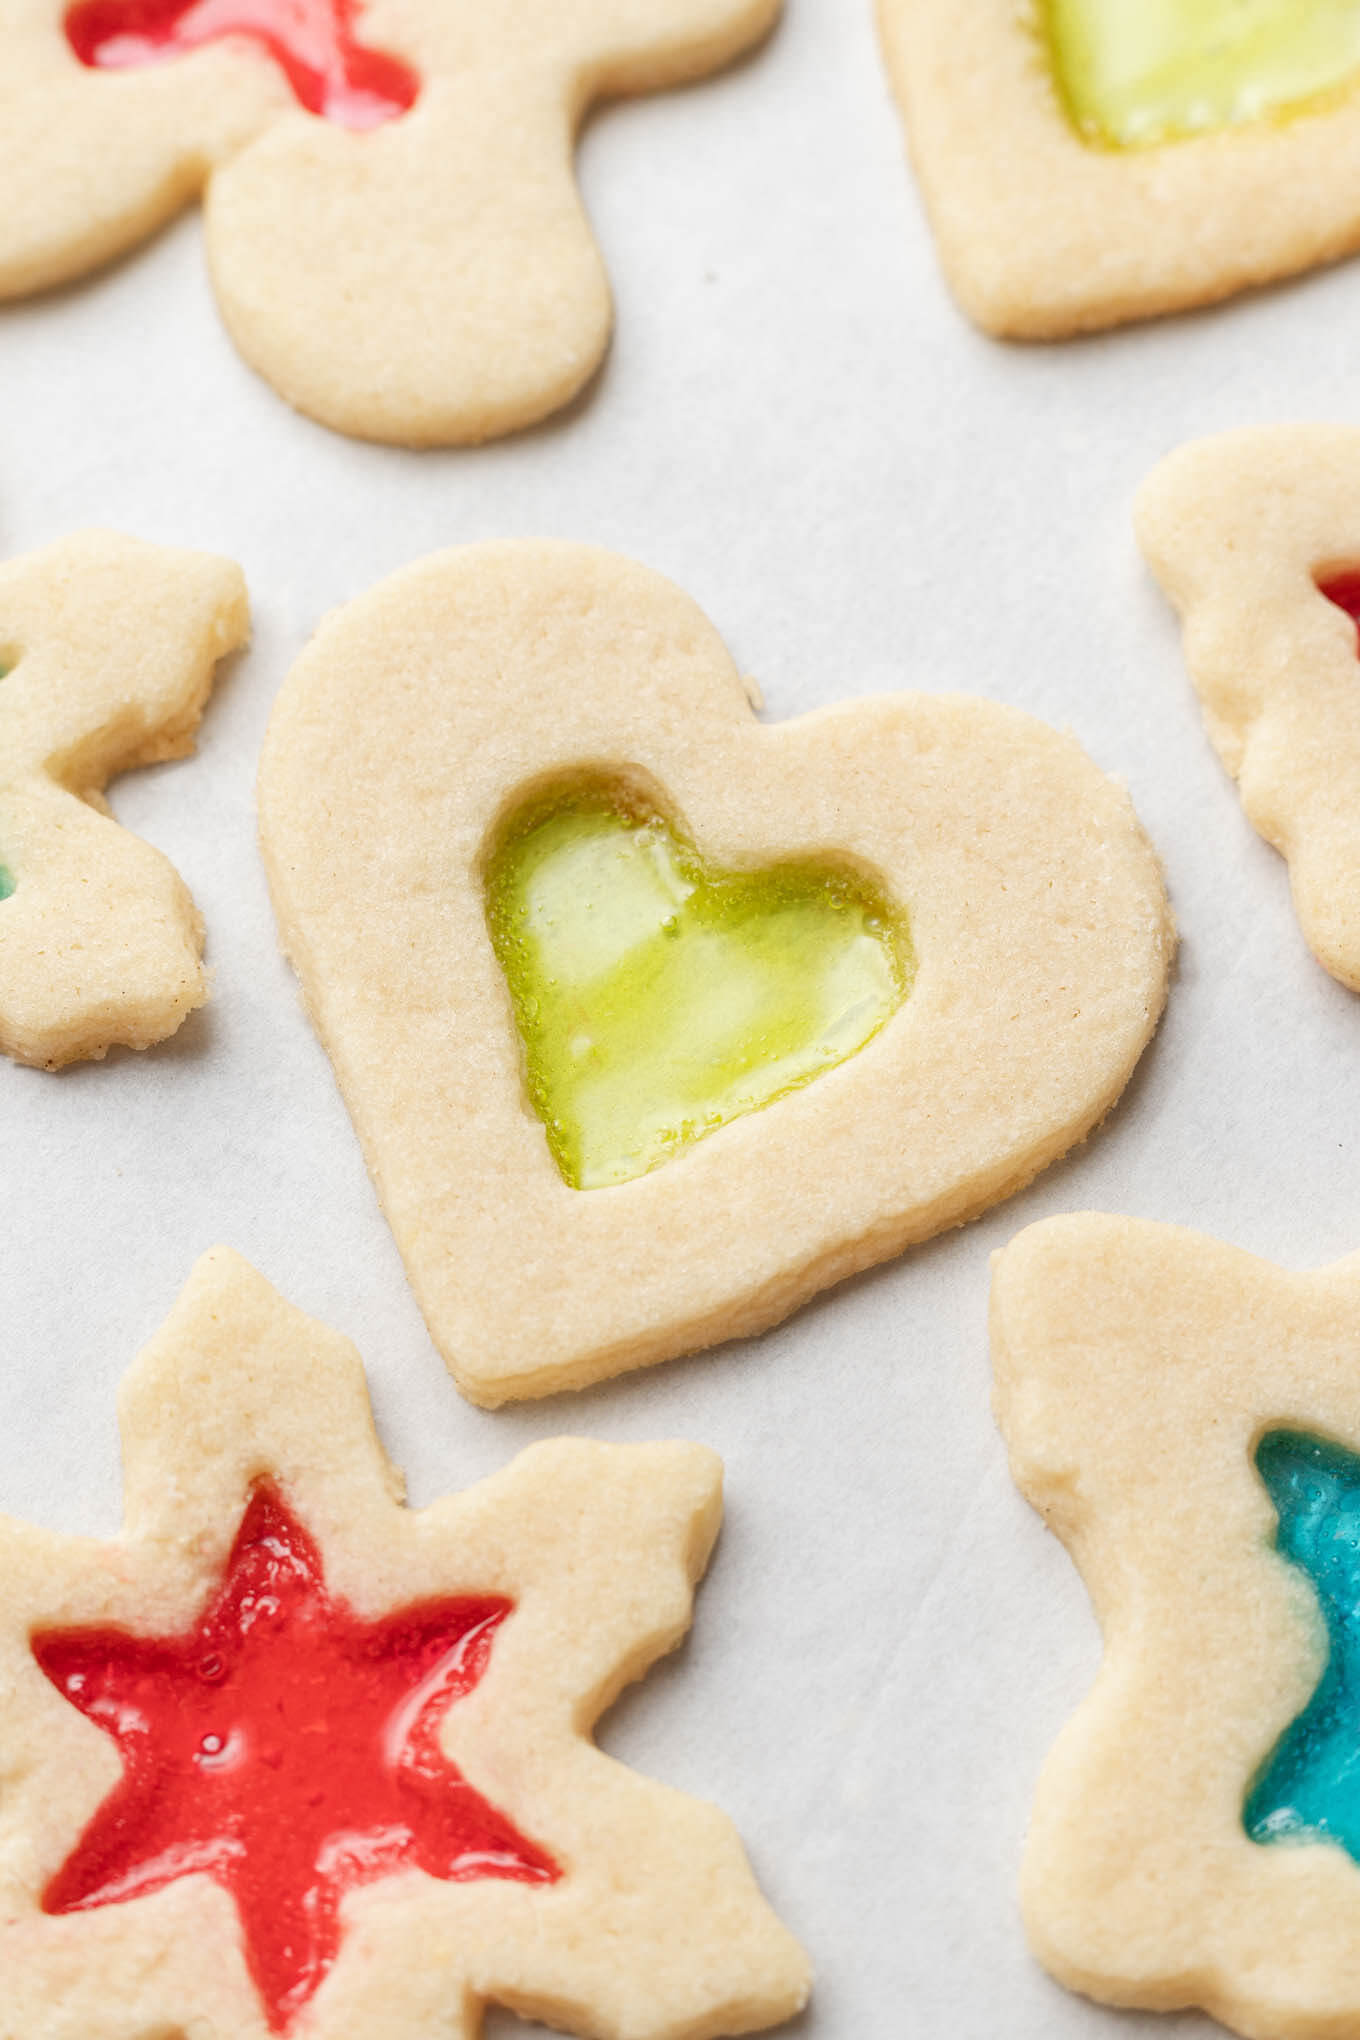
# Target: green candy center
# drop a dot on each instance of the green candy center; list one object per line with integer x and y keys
{"x": 657, "y": 1000}
{"x": 1133, "y": 72}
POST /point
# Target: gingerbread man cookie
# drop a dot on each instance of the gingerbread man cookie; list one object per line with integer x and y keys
{"x": 1087, "y": 162}
{"x": 1255, "y": 536}
{"x": 653, "y": 1021}
{"x": 285, "y": 1757}
{"x": 1187, "y": 1419}
{"x": 393, "y": 225}
{"x": 107, "y": 651}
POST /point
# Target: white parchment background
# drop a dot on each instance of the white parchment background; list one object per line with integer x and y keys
{"x": 797, "y": 426}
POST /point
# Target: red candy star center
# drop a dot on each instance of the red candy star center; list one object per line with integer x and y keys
{"x": 311, "y": 40}
{"x": 287, "y": 1749}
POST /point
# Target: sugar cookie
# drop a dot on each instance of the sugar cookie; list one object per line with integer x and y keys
{"x": 107, "y": 650}
{"x": 1087, "y": 162}
{"x": 1187, "y": 1419}
{"x": 780, "y": 1001}
{"x": 1249, "y": 534}
{"x": 431, "y": 280}
{"x": 357, "y": 1794}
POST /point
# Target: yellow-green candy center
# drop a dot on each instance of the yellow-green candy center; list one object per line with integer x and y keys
{"x": 1133, "y": 72}
{"x": 656, "y": 1000}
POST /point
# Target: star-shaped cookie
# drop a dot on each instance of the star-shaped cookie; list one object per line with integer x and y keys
{"x": 1187, "y": 1419}
{"x": 393, "y": 225}
{"x": 285, "y": 1757}
{"x": 107, "y": 653}
{"x": 1250, "y": 534}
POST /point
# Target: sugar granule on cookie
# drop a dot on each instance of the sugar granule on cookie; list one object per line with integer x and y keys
{"x": 1088, "y": 162}
{"x": 107, "y": 653}
{"x": 653, "y": 1021}
{"x": 393, "y": 225}
{"x": 1255, "y": 537}
{"x": 286, "y": 1757}
{"x": 1187, "y": 1419}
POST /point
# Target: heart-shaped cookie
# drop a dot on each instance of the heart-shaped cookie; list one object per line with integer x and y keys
{"x": 415, "y": 750}
{"x": 1087, "y": 162}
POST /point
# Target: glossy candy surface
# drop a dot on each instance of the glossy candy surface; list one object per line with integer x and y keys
{"x": 656, "y": 1000}
{"x": 1309, "y": 1787}
{"x": 312, "y": 41}
{"x": 1133, "y": 72}
{"x": 285, "y": 1748}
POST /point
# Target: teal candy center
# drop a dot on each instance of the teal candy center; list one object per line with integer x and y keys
{"x": 1134, "y": 72}
{"x": 657, "y": 999}
{"x": 1309, "y": 1787}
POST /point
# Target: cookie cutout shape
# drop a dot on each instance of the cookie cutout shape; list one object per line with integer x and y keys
{"x": 655, "y": 1000}
{"x": 432, "y": 281}
{"x": 330, "y": 72}
{"x": 444, "y": 1832}
{"x": 107, "y": 651}
{"x": 1187, "y": 1418}
{"x": 1250, "y": 534}
{"x": 1023, "y": 940}
{"x": 1089, "y": 162}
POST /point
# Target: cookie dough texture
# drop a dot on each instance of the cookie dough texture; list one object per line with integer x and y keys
{"x": 1042, "y": 235}
{"x": 1137, "y": 1367}
{"x": 433, "y": 281}
{"x": 107, "y": 648}
{"x": 655, "y": 1931}
{"x": 420, "y": 717}
{"x": 1238, "y": 529}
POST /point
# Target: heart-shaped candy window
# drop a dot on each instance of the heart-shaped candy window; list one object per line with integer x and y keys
{"x": 1134, "y": 72}
{"x": 656, "y": 1000}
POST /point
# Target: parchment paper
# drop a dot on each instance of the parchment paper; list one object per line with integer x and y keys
{"x": 799, "y": 428}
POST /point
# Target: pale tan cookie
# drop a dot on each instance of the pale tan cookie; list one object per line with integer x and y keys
{"x": 430, "y": 281}
{"x": 414, "y": 728}
{"x": 1240, "y": 530}
{"x": 107, "y": 648}
{"x": 1043, "y": 233}
{"x": 1139, "y": 1368}
{"x": 263, "y": 1533}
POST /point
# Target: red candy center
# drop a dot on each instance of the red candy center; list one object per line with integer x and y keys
{"x": 311, "y": 40}
{"x": 287, "y": 1749}
{"x": 1344, "y": 590}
